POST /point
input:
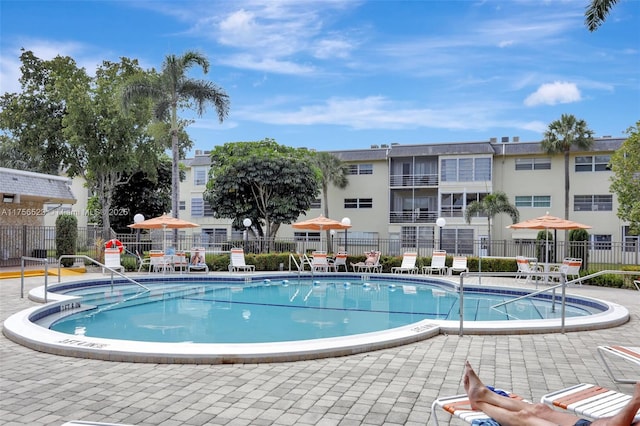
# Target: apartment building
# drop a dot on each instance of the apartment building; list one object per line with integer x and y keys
{"x": 398, "y": 192}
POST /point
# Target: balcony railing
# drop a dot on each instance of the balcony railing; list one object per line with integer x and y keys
{"x": 413, "y": 180}
{"x": 413, "y": 216}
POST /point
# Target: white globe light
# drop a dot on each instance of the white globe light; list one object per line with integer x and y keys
{"x": 246, "y": 222}
{"x": 138, "y": 218}
{"x": 346, "y": 221}
{"x": 441, "y": 222}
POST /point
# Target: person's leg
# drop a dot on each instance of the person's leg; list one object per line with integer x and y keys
{"x": 626, "y": 415}
{"x": 508, "y": 411}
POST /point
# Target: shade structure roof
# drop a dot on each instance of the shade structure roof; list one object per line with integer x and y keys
{"x": 320, "y": 223}
{"x": 548, "y": 222}
{"x": 164, "y": 222}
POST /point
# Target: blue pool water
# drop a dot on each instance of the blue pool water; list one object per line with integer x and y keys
{"x": 206, "y": 312}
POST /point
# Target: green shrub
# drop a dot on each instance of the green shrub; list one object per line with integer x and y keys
{"x": 66, "y": 237}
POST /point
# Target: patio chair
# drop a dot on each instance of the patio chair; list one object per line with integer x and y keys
{"x": 112, "y": 260}
{"x": 527, "y": 271}
{"x": 159, "y": 262}
{"x": 459, "y": 264}
{"x": 238, "y": 263}
{"x": 570, "y": 267}
{"x": 408, "y": 264}
{"x": 586, "y": 400}
{"x": 339, "y": 260}
{"x": 320, "y": 262}
{"x": 438, "y": 260}
{"x": 179, "y": 261}
{"x": 624, "y": 353}
{"x": 197, "y": 261}
{"x": 143, "y": 261}
{"x": 371, "y": 263}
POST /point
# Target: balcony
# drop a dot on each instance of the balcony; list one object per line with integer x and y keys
{"x": 428, "y": 180}
{"x": 413, "y": 216}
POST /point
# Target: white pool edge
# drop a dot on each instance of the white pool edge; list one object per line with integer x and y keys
{"x": 20, "y": 329}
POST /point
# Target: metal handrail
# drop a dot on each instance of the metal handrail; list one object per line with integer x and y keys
{"x": 82, "y": 256}
{"x": 46, "y": 274}
{"x": 563, "y": 284}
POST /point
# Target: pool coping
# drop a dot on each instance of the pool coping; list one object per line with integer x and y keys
{"x": 21, "y": 329}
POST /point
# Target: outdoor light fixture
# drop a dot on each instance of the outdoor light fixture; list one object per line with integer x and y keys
{"x": 345, "y": 222}
{"x": 247, "y": 224}
{"x": 8, "y": 198}
{"x": 440, "y": 223}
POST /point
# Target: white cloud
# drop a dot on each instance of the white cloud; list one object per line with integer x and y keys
{"x": 558, "y": 92}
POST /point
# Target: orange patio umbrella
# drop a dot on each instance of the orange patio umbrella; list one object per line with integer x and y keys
{"x": 320, "y": 223}
{"x": 548, "y": 222}
{"x": 163, "y": 222}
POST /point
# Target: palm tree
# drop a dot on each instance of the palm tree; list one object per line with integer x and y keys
{"x": 490, "y": 206}
{"x": 561, "y": 135}
{"x": 172, "y": 89}
{"x": 597, "y": 12}
{"x": 333, "y": 171}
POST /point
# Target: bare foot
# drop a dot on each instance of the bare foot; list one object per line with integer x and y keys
{"x": 473, "y": 385}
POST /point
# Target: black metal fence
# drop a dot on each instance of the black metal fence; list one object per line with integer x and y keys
{"x": 39, "y": 241}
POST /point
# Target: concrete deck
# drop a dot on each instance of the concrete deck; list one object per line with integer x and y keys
{"x": 386, "y": 387}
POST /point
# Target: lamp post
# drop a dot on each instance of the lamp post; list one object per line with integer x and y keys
{"x": 247, "y": 224}
{"x": 333, "y": 234}
{"x": 440, "y": 222}
{"x": 345, "y": 222}
{"x": 139, "y": 217}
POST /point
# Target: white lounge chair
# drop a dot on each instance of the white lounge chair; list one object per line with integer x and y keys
{"x": 586, "y": 400}
{"x": 197, "y": 261}
{"x": 143, "y": 262}
{"x": 371, "y": 264}
{"x": 459, "y": 264}
{"x": 438, "y": 259}
{"x": 408, "y": 264}
{"x": 238, "y": 263}
{"x": 112, "y": 260}
{"x": 460, "y": 407}
{"x": 624, "y": 353}
{"x": 570, "y": 267}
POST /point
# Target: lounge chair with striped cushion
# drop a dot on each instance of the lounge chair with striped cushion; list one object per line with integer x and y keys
{"x": 460, "y": 407}
{"x": 589, "y": 401}
{"x": 624, "y": 353}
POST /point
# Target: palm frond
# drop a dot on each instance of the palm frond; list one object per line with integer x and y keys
{"x": 204, "y": 92}
{"x": 597, "y": 12}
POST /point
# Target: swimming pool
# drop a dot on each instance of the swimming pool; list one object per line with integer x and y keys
{"x": 279, "y": 318}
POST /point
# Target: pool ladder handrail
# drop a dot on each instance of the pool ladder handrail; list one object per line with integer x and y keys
{"x": 113, "y": 271}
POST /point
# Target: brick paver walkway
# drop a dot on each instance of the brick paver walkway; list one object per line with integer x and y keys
{"x": 387, "y": 387}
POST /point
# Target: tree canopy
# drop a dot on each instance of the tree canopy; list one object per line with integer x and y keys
{"x": 597, "y": 12}
{"x": 625, "y": 164}
{"x": 560, "y": 136}
{"x": 66, "y": 120}
{"x": 332, "y": 172}
{"x": 490, "y": 206}
{"x": 266, "y": 182}
{"x": 171, "y": 90}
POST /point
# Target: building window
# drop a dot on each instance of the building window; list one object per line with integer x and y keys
{"x": 533, "y": 163}
{"x": 465, "y": 169}
{"x": 316, "y": 204}
{"x": 592, "y": 203}
{"x": 358, "y": 203}
{"x": 306, "y": 236}
{"x": 197, "y": 207}
{"x": 533, "y": 201}
{"x": 457, "y": 240}
{"x": 199, "y": 176}
{"x": 451, "y": 205}
{"x": 360, "y": 169}
{"x": 631, "y": 242}
{"x": 592, "y": 163}
{"x": 600, "y": 242}
{"x": 182, "y": 205}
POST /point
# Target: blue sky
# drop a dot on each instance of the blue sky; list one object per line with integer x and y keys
{"x": 342, "y": 74}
